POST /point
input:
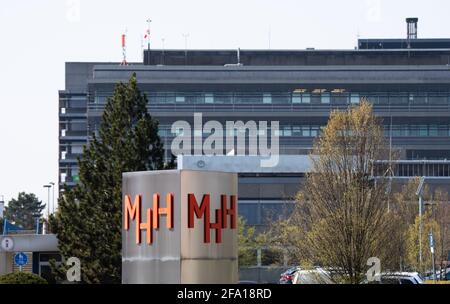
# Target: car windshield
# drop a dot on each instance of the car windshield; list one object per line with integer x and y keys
{"x": 313, "y": 278}
{"x": 291, "y": 270}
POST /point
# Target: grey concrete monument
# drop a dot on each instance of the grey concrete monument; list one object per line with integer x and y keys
{"x": 179, "y": 226}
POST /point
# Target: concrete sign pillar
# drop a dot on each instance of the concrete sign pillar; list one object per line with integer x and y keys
{"x": 179, "y": 226}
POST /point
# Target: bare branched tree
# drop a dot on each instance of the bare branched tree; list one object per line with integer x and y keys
{"x": 342, "y": 207}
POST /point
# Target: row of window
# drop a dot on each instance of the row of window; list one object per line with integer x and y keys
{"x": 421, "y": 130}
{"x": 291, "y": 98}
{"x": 425, "y": 169}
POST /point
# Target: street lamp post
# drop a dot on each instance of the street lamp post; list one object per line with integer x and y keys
{"x": 431, "y": 241}
{"x": 53, "y": 196}
{"x": 419, "y": 192}
{"x": 48, "y": 200}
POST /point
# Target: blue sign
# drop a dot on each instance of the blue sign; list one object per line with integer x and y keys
{"x": 20, "y": 259}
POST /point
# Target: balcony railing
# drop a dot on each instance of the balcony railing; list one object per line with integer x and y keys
{"x": 258, "y": 107}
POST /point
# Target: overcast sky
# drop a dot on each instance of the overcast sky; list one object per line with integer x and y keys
{"x": 37, "y": 37}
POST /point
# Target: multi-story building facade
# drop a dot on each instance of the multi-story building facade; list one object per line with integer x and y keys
{"x": 407, "y": 80}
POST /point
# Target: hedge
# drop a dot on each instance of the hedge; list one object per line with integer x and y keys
{"x": 21, "y": 278}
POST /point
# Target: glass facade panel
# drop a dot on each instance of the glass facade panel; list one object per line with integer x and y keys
{"x": 315, "y": 98}
{"x": 287, "y": 131}
{"x": 418, "y": 98}
{"x": 399, "y": 99}
{"x": 354, "y": 98}
{"x": 437, "y": 99}
{"x": 314, "y": 131}
{"x": 339, "y": 98}
{"x": 77, "y": 149}
{"x": 382, "y": 99}
{"x": 223, "y": 98}
{"x": 325, "y": 98}
{"x": 267, "y": 98}
{"x": 306, "y": 98}
{"x": 296, "y": 131}
{"x": 270, "y": 212}
{"x": 433, "y": 130}
{"x": 209, "y": 98}
{"x": 281, "y": 98}
{"x": 250, "y": 213}
{"x": 423, "y": 130}
{"x": 296, "y": 98}
{"x": 306, "y": 131}
{"x": 78, "y": 126}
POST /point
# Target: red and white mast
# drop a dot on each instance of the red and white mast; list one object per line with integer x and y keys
{"x": 124, "y": 50}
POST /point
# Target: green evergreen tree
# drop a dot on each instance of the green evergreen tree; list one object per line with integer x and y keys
{"x": 24, "y": 210}
{"x": 89, "y": 220}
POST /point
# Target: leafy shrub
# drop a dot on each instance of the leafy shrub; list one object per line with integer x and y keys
{"x": 21, "y": 278}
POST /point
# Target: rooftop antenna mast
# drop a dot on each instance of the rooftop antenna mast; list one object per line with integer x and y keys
{"x": 124, "y": 49}
{"x": 186, "y": 36}
{"x": 162, "y": 57}
{"x": 142, "y": 48}
{"x": 147, "y": 35}
{"x": 147, "y": 38}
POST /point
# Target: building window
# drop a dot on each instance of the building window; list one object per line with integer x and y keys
{"x": 78, "y": 126}
{"x": 180, "y": 99}
{"x": 250, "y": 212}
{"x": 287, "y": 131}
{"x": 339, "y": 98}
{"x": 314, "y": 131}
{"x": 325, "y": 98}
{"x": 209, "y": 98}
{"x": 296, "y": 131}
{"x": 354, "y": 98}
{"x": 419, "y": 98}
{"x": 437, "y": 99}
{"x": 442, "y": 130}
{"x": 281, "y": 98}
{"x": 306, "y": 132}
{"x": 223, "y": 98}
{"x": 399, "y": 99}
{"x": 77, "y": 149}
{"x": 296, "y": 98}
{"x": 267, "y": 98}
{"x": 306, "y": 98}
{"x": 433, "y": 130}
{"x": 423, "y": 130}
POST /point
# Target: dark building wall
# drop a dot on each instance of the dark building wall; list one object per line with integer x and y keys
{"x": 375, "y": 56}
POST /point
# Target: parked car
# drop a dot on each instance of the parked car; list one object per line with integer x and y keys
{"x": 398, "y": 278}
{"x": 287, "y": 276}
{"x": 442, "y": 274}
{"x": 312, "y": 276}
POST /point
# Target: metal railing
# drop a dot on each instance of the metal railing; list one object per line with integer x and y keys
{"x": 259, "y": 107}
